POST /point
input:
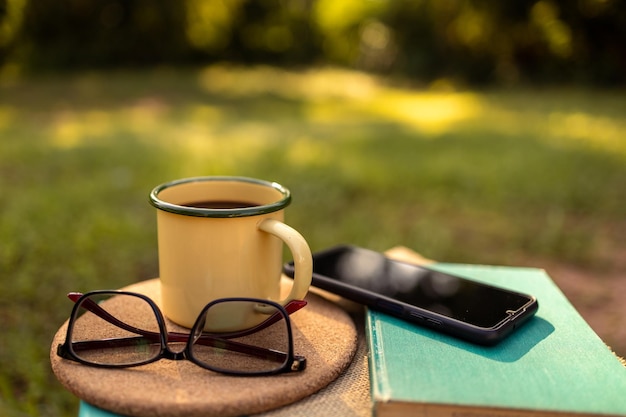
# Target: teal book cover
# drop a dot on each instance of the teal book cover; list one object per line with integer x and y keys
{"x": 88, "y": 410}
{"x": 555, "y": 364}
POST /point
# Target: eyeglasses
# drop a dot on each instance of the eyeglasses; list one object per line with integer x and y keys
{"x": 120, "y": 329}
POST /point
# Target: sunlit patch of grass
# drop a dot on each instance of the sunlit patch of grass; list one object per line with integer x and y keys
{"x": 582, "y": 129}
{"x": 6, "y": 116}
{"x": 431, "y": 113}
{"x": 569, "y": 119}
{"x": 310, "y": 85}
{"x": 308, "y": 152}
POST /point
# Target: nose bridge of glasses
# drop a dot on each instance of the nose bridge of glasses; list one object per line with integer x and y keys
{"x": 175, "y": 356}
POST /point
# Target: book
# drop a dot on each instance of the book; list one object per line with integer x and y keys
{"x": 87, "y": 410}
{"x": 553, "y": 365}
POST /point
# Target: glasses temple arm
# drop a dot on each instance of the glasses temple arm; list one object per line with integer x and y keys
{"x": 92, "y": 306}
{"x": 290, "y": 307}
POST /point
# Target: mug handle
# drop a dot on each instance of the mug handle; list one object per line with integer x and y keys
{"x": 303, "y": 260}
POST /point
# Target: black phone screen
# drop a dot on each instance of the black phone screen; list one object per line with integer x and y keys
{"x": 455, "y": 297}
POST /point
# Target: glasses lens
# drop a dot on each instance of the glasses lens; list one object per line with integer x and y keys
{"x": 263, "y": 347}
{"x": 115, "y": 330}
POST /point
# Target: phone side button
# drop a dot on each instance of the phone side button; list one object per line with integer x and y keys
{"x": 433, "y": 322}
{"x": 416, "y": 316}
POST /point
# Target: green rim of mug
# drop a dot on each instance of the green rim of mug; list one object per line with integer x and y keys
{"x": 220, "y": 213}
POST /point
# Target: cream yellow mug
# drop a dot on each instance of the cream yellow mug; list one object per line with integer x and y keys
{"x": 222, "y": 237}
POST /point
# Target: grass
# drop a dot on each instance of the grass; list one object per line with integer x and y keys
{"x": 498, "y": 177}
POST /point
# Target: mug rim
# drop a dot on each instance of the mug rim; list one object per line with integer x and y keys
{"x": 220, "y": 213}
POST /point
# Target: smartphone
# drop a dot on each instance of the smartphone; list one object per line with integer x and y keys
{"x": 468, "y": 309}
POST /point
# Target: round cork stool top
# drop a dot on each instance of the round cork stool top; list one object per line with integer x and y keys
{"x": 323, "y": 333}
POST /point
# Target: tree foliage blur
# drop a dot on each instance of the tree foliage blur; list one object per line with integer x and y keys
{"x": 469, "y": 41}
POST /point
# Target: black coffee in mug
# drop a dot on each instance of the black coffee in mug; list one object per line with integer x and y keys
{"x": 220, "y": 205}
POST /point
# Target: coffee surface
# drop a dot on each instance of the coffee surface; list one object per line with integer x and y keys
{"x": 219, "y": 204}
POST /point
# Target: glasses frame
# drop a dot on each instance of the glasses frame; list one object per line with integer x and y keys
{"x": 290, "y": 361}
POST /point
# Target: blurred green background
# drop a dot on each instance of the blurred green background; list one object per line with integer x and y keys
{"x": 476, "y": 42}
{"x": 472, "y": 131}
